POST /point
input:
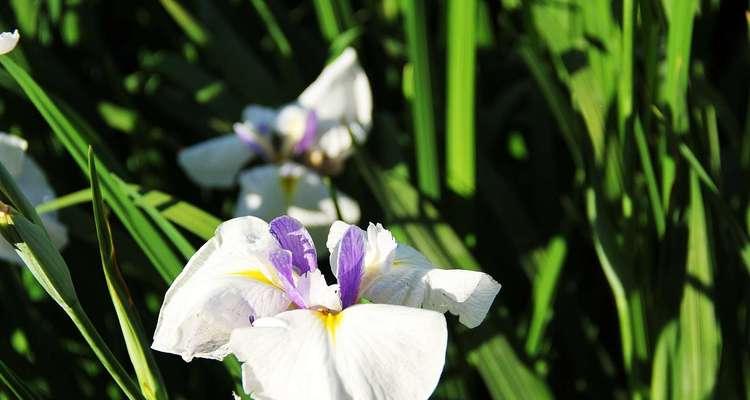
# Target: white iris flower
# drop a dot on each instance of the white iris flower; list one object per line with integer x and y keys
{"x": 315, "y": 130}
{"x": 255, "y": 290}
{"x": 32, "y": 182}
{"x": 8, "y": 41}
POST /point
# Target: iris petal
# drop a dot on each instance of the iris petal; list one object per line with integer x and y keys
{"x": 292, "y": 236}
{"x": 350, "y": 259}
{"x": 282, "y": 261}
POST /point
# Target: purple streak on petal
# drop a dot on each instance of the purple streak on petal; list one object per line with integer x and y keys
{"x": 246, "y": 136}
{"x": 351, "y": 261}
{"x": 311, "y": 128}
{"x": 282, "y": 261}
{"x": 293, "y": 236}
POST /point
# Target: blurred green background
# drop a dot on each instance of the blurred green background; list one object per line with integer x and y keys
{"x": 592, "y": 155}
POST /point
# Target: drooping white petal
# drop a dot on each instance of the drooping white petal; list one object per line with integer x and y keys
{"x": 34, "y": 185}
{"x": 215, "y": 162}
{"x": 367, "y": 351}
{"x": 269, "y": 191}
{"x": 224, "y": 286}
{"x": 8, "y": 41}
{"x": 413, "y": 281}
{"x": 340, "y": 95}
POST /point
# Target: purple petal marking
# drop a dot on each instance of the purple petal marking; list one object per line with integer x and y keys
{"x": 282, "y": 261}
{"x": 293, "y": 236}
{"x": 246, "y": 136}
{"x": 351, "y": 261}
{"x": 311, "y": 128}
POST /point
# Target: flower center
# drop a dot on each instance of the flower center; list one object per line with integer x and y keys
{"x": 331, "y": 321}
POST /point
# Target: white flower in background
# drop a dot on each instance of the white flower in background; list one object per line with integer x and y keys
{"x": 8, "y": 41}
{"x": 270, "y": 190}
{"x": 316, "y": 130}
{"x": 399, "y": 274}
{"x": 32, "y": 182}
{"x": 255, "y": 290}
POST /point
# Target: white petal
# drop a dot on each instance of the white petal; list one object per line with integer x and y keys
{"x": 287, "y": 357}
{"x": 224, "y": 283}
{"x": 381, "y": 247}
{"x": 367, "y": 351}
{"x": 269, "y": 191}
{"x": 468, "y": 294}
{"x": 390, "y": 352}
{"x": 12, "y": 152}
{"x": 335, "y": 234}
{"x": 215, "y": 162}
{"x": 291, "y": 123}
{"x": 414, "y": 282}
{"x": 316, "y": 293}
{"x": 379, "y": 254}
{"x": 8, "y": 41}
{"x": 260, "y": 117}
{"x": 340, "y": 94}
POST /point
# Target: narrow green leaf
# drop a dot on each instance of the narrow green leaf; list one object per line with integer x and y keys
{"x": 186, "y": 21}
{"x": 505, "y": 375}
{"x": 65, "y": 201}
{"x": 183, "y": 213}
{"x": 329, "y": 25}
{"x": 697, "y": 167}
{"x": 651, "y": 183}
{"x": 547, "y": 262}
{"x": 153, "y": 245}
{"x": 680, "y": 15}
{"x": 699, "y": 345}
{"x": 662, "y": 386}
{"x": 460, "y": 65}
{"x": 625, "y": 83}
{"x": 422, "y": 107}
{"x": 273, "y": 28}
{"x": 166, "y": 227}
{"x": 15, "y": 385}
{"x": 49, "y": 268}
{"x": 151, "y": 383}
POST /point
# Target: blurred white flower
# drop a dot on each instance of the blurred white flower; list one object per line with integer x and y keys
{"x": 268, "y": 191}
{"x": 32, "y": 182}
{"x": 316, "y": 130}
{"x": 8, "y": 41}
{"x": 399, "y": 274}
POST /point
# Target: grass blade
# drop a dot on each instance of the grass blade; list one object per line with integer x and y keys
{"x": 282, "y": 44}
{"x": 679, "y": 38}
{"x": 699, "y": 345}
{"x": 422, "y": 107}
{"x": 48, "y": 267}
{"x": 651, "y": 183}
{"x": 163, "y": 258}
{"x": 548, "y": 262}
{"x": 16, "y": 386}
{"x": 459, "y": 144}
{"x": 327, "y": 20}
{"x": 149, "y": 377}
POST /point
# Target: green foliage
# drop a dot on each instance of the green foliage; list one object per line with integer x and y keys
{"x": 596, "y": 155}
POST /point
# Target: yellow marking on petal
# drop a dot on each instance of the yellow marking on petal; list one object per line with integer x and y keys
{"x": 288, "y": 185}
{"x": 331, "y": 322}
{"x": 256, "y": 275}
